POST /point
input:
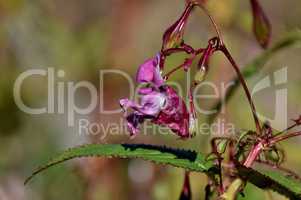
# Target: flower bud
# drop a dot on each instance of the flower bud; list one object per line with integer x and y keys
{"x": 200, "y": 75}
{"x": 173, "y": 36}
{"x": 186, "y": 191}
{"x": 261, "y": 24}
{"x": 203, "y": 63}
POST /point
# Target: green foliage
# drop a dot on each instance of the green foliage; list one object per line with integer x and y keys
{"x": 186, "y": 159}
{"x": 273, "y": 179}
{"x": 189, "y": 160}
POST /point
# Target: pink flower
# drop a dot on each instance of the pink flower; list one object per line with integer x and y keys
{"x": 162, "y": 106}
{"x": 150, "y": 106}
{"x": 175, "y": 114}
{"x": 159, "y": 102}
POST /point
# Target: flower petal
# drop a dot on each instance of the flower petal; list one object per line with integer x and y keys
{"x": 175, "y": 114}
{"x": 133, "y": 121}
{"x": 152, "y": 103}
{"x": 149, "y": 72}
{"x": 145, "y": 90}
{"x": 150, "y": 106}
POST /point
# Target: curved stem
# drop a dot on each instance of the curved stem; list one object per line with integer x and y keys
{"x": 240, "y": 76}
{"x": 188, "y": 61}
{"x": 170, "y": 51}
{"x": 167, "y": 75}
{"x": 218, "y": 32}
{"x": 245, "y": 87}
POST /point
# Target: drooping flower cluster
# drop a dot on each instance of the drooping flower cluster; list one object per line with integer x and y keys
{"x": 159, "y": 102}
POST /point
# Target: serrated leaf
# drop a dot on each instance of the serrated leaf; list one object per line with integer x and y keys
{"x": 289, "y": 40}
{"x": 273, "y": 179}
{"x": 186, "y": 159}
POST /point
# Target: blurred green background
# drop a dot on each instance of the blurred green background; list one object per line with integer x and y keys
{"x": 81, "y": 37}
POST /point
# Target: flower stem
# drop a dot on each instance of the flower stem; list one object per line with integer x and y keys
{"x": 167, "y": 75}
{"x": 218, "y": 32}
{"x": 287, "y": 129}
{"x": 254, "y": 153}
{"x": 245, "y": 87}
{"x": 284, "y": 137}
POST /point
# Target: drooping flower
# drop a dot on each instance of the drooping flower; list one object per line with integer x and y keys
{"x": 163, "y": 107}
{"x": 159, "y": 102}
{"x": 149, "y": 107}
{"x": 150, "y": 103}
{"x": 261, "y": 24}
{"x": 175, "y": 114}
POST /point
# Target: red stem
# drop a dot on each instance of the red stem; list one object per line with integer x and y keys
{"x": 254, "y": 153}
{"x": 287, "y": 129}
{"x": 284, "y": 137}
{"x": 166, "y": 76}
{"x": 218, "y": 32}
{"x": 256, "y": 150}
{"x": 192, "y": 108}
{"x": 245, "y": 87}
{"x": 195, "y": 54}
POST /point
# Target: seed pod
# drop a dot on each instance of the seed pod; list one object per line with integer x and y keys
{"x": 173, "y": 36}
{"x": 261, "y": 24}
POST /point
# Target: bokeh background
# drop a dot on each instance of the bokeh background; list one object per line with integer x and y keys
{"x": 81, "y": 37}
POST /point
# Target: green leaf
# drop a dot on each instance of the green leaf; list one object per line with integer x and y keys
{"x": 189, "y": 160}
{"x": 273, "y": 179}
{"x": 186, "y": 159}
{"x": 289, "y": 40}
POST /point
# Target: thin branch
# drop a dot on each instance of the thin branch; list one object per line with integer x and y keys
{"x": 284, "y": 137}
{"x": 167, "y": 75}
{"x": 218, "y": 32}
{"x": 287, "y": 129}
{"x": 245, "y": 87}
